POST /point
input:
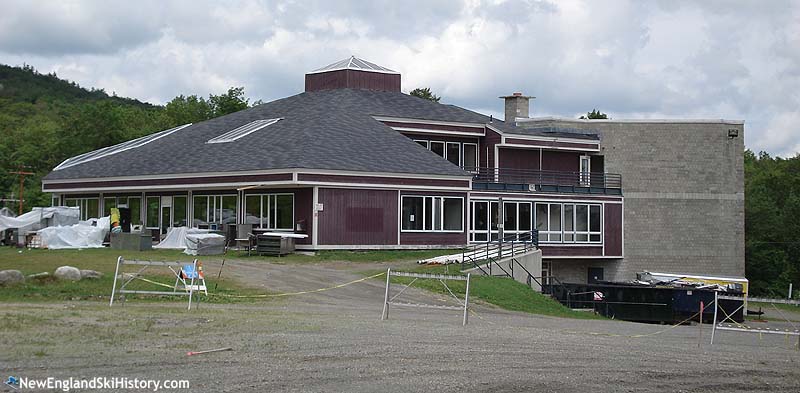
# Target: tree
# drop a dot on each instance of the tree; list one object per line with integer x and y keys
{"x": 187, "y": 109}
{"x": 425, "y": 93}
{"x": 594, "y": 114}
{"x": 232, "y": 101}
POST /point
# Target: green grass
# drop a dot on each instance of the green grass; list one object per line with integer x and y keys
{"x": 104, "y": 261}
{"x": 768, "y": 307}
{"x": 503, "y": 292}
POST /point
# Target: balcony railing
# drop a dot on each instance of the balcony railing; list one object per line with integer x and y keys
{"x": 506, "y": 179}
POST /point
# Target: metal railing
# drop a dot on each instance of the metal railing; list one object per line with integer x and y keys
{"x": 596, "y": 180}
{"x": 485, "y": 256}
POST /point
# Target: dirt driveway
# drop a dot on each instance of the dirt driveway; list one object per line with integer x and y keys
{"x": 335, "y": 341}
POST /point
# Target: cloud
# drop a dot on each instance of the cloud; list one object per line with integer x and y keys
{"x": 673, "y": 59}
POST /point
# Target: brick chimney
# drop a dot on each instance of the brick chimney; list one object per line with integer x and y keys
{"x": 517, "y": 106}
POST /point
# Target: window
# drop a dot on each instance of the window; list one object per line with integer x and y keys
{"x": 179, "y": 211}
{"x": 585, "y": 169}
{"x": 432, "y": 214}
{"x": 214, "y": 209}
{"x": 480, "y": 221}
{"x": 270, "y": 211}
{"x": 517, "y": 218}
{"x": 243, "y": 131}
{"x": 581, "y": 222}
{"x": 108, "y": 204}
{"x": 470, "y": 157}
{"x": 437, "y": 147}
{"x": 107, "y": 151}
{"x": 454, "y": 153}
{"x": 422, "y": 143}
{"x": 153, "y": 204}
{"x": 134, "y": 204}
{"x": 89, "y": 207}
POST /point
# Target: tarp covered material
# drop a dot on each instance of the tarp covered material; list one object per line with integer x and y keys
{"x": 84, "y": 234}
{"x": 6, "y": 212}
{"x": 204, "y": 244}
{"x": 40, "y": 217}
{"x": 176, "y": 238}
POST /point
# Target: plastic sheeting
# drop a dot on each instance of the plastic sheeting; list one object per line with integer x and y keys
{"x": 41, "y": 217}
{"x": 85, "y": 234}
{"x": 184, "y": 238}
{"x": 204, "y": 244}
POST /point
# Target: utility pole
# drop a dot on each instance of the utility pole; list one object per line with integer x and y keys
{"x": 19, "y": 172}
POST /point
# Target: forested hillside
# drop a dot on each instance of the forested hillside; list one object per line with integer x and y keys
{"x": 45, "y": 120}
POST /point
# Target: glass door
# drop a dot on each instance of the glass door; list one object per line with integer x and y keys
{"x": 586, "y": 169}
{"x": 166, "y": 214}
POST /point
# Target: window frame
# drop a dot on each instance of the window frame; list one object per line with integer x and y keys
{"x": 265, "y": 215}
{"x": 424, "y": 217}
{"x": 464, "y": 155}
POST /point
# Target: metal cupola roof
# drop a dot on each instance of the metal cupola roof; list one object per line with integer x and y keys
{"x": 354, "y": 63}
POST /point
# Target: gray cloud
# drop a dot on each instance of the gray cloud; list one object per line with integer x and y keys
{"x": 735, "y": 60}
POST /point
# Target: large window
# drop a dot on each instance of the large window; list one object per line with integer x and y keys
{"x": 569, "y": 222}
{"x": 211, "y": 210}
{"x": 134, "y": 204}
{"x": 464, "y": 154}
{"x": 271, "y": 211}
{"x": 556, "y": 222}
{"x": 90, "y": 207}
{"x": 432, "y": 214}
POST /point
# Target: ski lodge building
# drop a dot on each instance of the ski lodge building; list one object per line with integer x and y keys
{"x": 354, "y": 163}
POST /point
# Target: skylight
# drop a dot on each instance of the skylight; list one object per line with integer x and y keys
{"x": 354, "y": 63}
{"x": 243, "y": 131}
{"x": 107, "y": 151}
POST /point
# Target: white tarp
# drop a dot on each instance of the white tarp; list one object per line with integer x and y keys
{"x": 81, "y": 235}
{"x": 177, "y": 238}
{"x": 204, "y": 244}
{"x": 41, "y": 217}
{"x": 6, "y": 212}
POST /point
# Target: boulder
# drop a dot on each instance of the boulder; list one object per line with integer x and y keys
{"x": 11, "y": 277}
{"x": 68, "y": 273}
{"x": 90, "y": 274}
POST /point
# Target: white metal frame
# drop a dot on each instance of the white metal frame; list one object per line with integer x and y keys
{"x": 574, "y": 231}
{"x": 243, "y": 130}
{"x": 127, "y": 278}
{"x": 441, "y": 277}
{"x": 425, "y": 214}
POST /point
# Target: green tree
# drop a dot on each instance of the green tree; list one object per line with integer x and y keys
{"x": 232, "y": 101}
{"x": 594, "y": 114}
{"x": 187, "y": 109}
{"x": 425, "y": 93}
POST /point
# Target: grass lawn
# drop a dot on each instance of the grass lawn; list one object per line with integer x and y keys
{"x": 104, "y": 260}
{"x": 503, "y": 292}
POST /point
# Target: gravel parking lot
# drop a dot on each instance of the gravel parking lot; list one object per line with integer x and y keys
{"x": 335, "y": 341}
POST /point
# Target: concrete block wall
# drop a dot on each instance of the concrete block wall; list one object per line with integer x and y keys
{"x": 683, "y": 184}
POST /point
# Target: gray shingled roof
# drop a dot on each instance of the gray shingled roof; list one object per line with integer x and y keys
{"x": 329, "y": 129}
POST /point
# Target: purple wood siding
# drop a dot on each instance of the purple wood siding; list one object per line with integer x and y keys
{"x": 304, "y": 213}
{"x": 487, "y": 149}
{"x": 613, "y": 229}
{"x": 519, "y": 159}
{"x": 382, "y": 180}
{"x": 352, "y": 79}
{"x": 435, "y": 239}
{"x": 159, "y": 182}
{"x": 357, "y": 217}
{"x": 571, "y": 251}
{"x": 560, "y": 161}
{"x": 547, "y": 144}
{"x": 436, "y": 127}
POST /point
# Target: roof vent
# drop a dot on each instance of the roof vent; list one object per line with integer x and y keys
{"x": 353, "y": 73}
{"x": 240, "y": 132}
{"x": 107, "y": 151}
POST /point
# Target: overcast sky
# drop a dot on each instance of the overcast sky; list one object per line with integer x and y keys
{"x": 631, "y": 59}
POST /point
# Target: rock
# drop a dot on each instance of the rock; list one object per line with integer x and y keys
{"x": 68, "y": 273}
{"x": 11, "y": 277}
{"x": 90, "y": 274}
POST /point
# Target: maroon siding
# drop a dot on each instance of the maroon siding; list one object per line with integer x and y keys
{"x": 174, "y": 181}
{"x": 436, "y": 127}
{"x": 434, "y": 239}
{"x": 352, "y": 79}
{"x": 612, "y": 229}
{"x": 571, "y": 251}
{"x": 442, "y": 138}
{"x": 560, "y": 161}
{"x": 357, "y": 217}
{"x": 543, "y": 198}
{"x": 381, "y": 180}
{"x": 548, "y": 144}
{"x": 487, "y": 148}
{"x": 519, "y": 159}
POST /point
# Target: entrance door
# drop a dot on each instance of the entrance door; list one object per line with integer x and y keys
{"x": 586, "y": 169}
{"x": 166, "y": 214}
{"x": 595, "y": 275}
